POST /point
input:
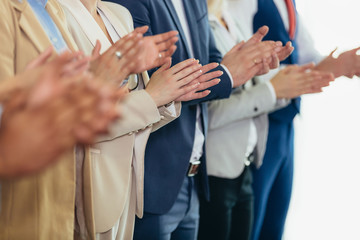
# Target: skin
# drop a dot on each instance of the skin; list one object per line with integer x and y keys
{"x": 143, "y": 53}
{"x": 52, "y": 105}
{"x": 290, "y": 82}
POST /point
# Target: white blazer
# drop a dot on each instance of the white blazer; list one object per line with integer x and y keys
{"x": 230, "y": 119}
{"x": 116, "y": 155}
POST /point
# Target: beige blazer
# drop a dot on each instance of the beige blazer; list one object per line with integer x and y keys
{"x": 116, "y": 155}
{"x": 40, "y": 207}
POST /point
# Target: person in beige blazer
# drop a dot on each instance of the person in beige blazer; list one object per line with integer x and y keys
{"x": 40, "y": 206}
{"x": 117, "y": 160}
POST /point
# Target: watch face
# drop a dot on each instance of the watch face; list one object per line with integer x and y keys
{"x": 133, "y": 83}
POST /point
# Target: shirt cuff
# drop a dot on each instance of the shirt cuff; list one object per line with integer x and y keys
{"x": 171, "y": 108}
{"x": 272, "y": 91}
{"x": 229, "y": 74}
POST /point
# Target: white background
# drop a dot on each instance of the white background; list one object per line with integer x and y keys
{"x": 326, "y": 195}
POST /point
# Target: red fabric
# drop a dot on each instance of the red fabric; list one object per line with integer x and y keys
{"x": 292, "y": 17}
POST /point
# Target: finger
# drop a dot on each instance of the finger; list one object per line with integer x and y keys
{"x": 163, "y": 46}
{"x": 164, "y": 36}
{"x": 275, "y": 63}
{"x": 165, "y": 66}
{"x": 196, "y": 95}
{"x": 41, "y": 59}
{"x": 142, "y": 29}
{"x": 96, "y": 51}
{"x": 258, "y": 36}
{"x": 285, "y": 51}
{"x": 76, "y": 67}
{"x": 188, "y": 71}
{"x": 206, "y": 77}
{"x": 184, "y": 64}
{"x": 332, "y": 52}
{"x": 208, "y": 84}
{"x": 169, "y": 52}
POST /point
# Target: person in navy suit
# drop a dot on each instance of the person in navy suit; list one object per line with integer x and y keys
{"x": 272, "y": 183}
{"x": 175, "y": 167}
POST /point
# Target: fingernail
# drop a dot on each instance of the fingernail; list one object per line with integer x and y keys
{"x": 200, "y": 71}
{"x": 221, "y": 73}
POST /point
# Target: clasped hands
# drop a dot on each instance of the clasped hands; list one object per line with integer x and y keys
{"x": 255, "y": 57}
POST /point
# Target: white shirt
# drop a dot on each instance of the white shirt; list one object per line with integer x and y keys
{"x": 199, "y": 138}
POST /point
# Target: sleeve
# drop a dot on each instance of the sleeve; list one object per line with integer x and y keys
{"x": 138, "y": 112}
{"x": 167, "y": 115}
{"x": 240, "y": 105}
{"x": 305, "y": 43}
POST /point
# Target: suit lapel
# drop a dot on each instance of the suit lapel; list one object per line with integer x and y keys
{"x": 31, "y": 28}
{"x": 176, "y": 20}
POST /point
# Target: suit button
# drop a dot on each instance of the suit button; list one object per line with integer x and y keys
{"x": 255, "y": 109}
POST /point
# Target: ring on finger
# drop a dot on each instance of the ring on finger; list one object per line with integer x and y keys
{"x": 118, "y": 54}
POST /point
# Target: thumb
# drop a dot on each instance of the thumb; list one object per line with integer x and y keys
{"x": 259, "y": 35}
{"x": 166, "y": 65}
{"x": 332, "y": 52}
{"x": 96, "y": 51}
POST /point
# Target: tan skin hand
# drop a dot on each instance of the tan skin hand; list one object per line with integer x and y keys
{"x": 294, "y": 81}
{"x": 181, "y": 82}
{"x": 346, "y": 64}
{"x": 55, "y": 112}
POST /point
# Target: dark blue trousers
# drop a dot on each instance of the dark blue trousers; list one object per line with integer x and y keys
{"x": 272, "y": 183}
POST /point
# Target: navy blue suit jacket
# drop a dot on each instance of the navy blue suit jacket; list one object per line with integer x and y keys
{"x": 280, "y": 138}
{"x": 169, "y": 149}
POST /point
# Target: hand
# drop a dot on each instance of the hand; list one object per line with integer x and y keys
{"x": 111, "y": 68}
{"x": 206, "y": 80}
{"x": 244, "y": 61}
{"x": 54, "y": 112}
{"x": 65, "y": 65}
{"x": 181, "y": 81}
{"x": 346, "y": 64}
{"x": 76, "y": 62}
{"x": 138, "y": 54}
{"x": 282, "y": 52}
{"x": 294, "y": 81}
